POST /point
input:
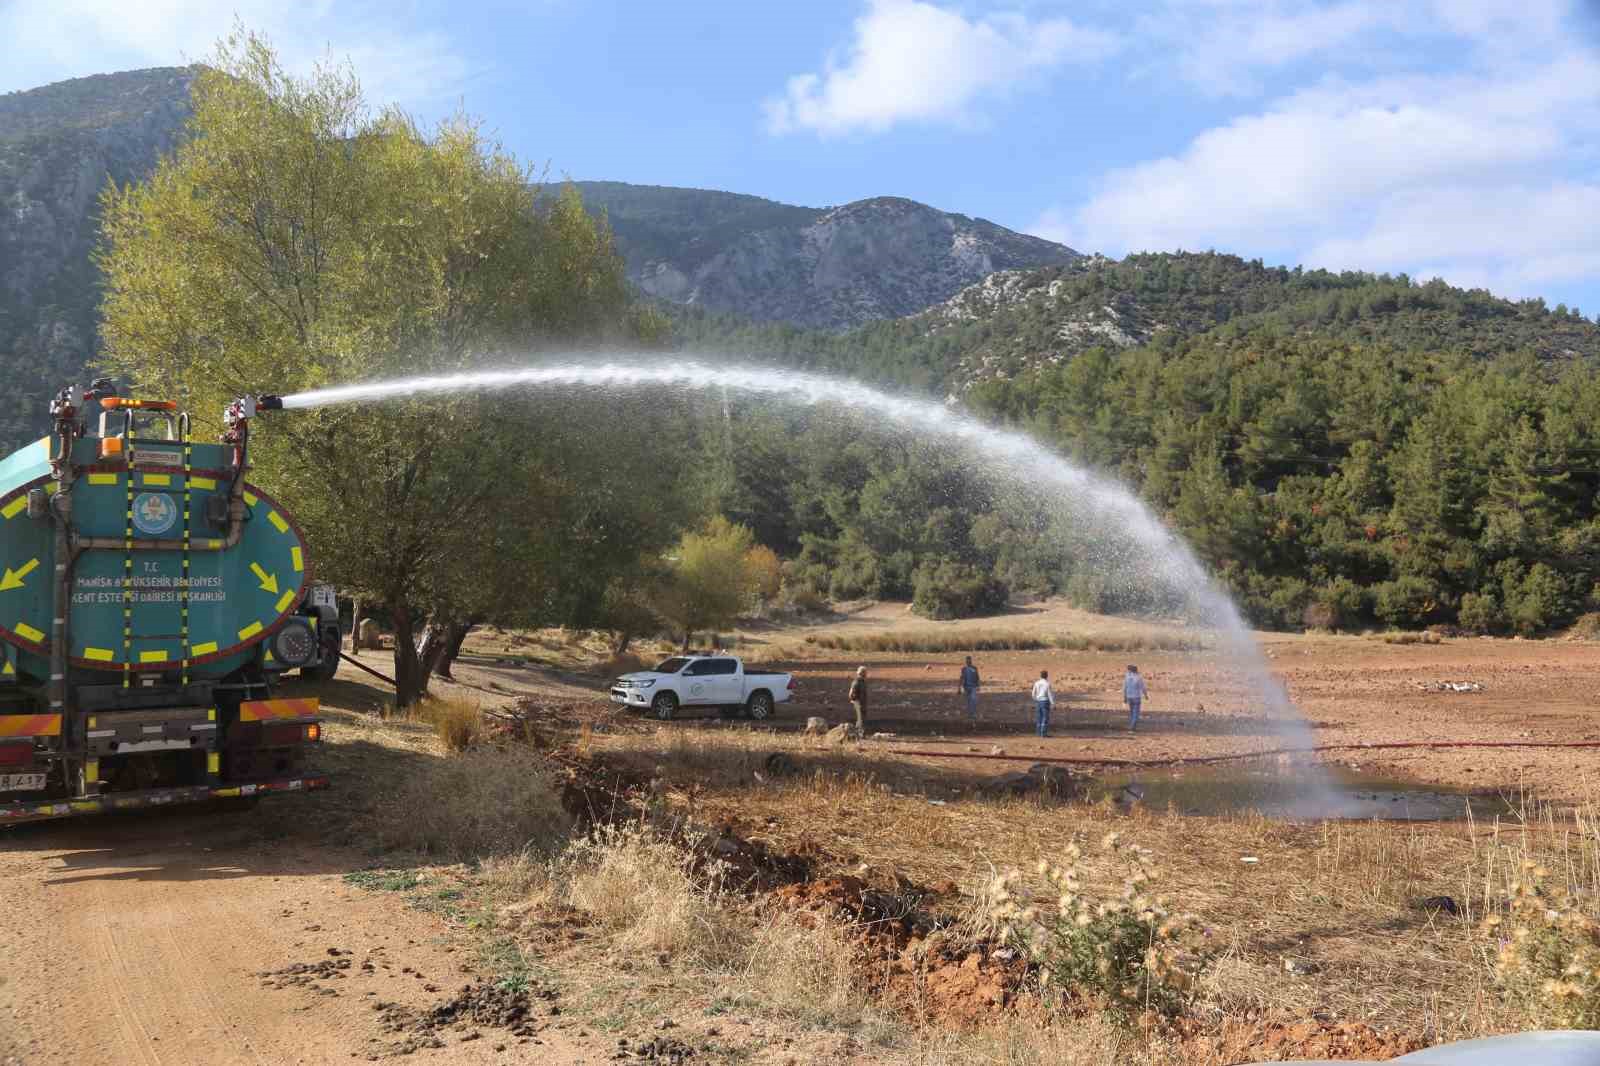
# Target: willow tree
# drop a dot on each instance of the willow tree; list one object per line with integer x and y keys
{"x": 297, "y": 239}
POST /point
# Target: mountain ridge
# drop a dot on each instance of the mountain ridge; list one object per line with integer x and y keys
{"x": 829, "y": 268}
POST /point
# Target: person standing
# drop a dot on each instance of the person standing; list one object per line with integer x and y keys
{"x": 858, "y": 700}
{"x": 968, "y": 686}
{"x": 1133, "y": 694}
{"x": 1044, "y": 701}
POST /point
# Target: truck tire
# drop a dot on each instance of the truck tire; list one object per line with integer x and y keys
{"x": 760, "y": 706}
{"x": 664, "y": 706}
{"x": 329, "y": 665}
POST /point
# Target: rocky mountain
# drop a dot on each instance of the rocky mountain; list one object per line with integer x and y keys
{"x": 1015, "y": 322}
{"x": 59, "y": 145}
{"x": 824, "y": 268}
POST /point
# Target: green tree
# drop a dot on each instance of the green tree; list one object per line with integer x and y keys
{"x": 298, "y": 239}
{"x": 711, "y": 582}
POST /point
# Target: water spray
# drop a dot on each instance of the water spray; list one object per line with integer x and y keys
{"x": 1013, "y": 456}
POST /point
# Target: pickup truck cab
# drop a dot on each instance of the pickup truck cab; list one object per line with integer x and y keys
{"x": 709, "y": 682}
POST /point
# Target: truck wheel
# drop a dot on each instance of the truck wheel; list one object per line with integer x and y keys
{"x": 760, "y": 706}
{"x": 329, "y": 665}
{"x": 664, "y": 706}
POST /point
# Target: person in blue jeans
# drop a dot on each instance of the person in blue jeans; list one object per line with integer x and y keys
{"x": 1133, "y": 694}
{"x": 1044, "y": 701}
{"x": 969, "y": 688}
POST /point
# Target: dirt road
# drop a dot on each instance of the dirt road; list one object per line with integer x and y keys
{"x": 141, "y": 941}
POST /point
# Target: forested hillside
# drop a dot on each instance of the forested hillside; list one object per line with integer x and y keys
{"x": 1343, "y": 448}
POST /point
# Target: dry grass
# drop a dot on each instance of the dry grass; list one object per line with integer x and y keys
{"x": 1406, "y": 636}
{"x": 457, "y": 722}
{"x": 1342, "y": 900}
{"x": 1587, "y": 627}
{"x": 638, "y": 888}
{"x": 656, "y": 915}
{"x": 477, "y": 804}
{"x": 962, "y": 640}
{"x": 1036, "y": 1039}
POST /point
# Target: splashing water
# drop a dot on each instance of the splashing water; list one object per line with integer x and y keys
{"x": 1015, "y": 456}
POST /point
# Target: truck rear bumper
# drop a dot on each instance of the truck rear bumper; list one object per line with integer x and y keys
{"x": 12, "y": 813}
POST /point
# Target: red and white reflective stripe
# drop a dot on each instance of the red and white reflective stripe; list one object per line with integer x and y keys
{"x": 276, "y": 710}
{"x": 30, "y": 725}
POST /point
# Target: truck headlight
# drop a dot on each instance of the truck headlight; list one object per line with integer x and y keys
{"x": 295, "y": 644}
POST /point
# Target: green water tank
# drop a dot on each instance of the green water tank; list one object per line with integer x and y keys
{"x": 200, "y": 612}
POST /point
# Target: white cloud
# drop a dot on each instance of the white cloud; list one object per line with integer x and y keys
{"x": 913, "y": 61}
{"x": 1482, "y": 175}
{"x": 1055, "y": 224}
{"x": 51, "y": 40}
{"x": 1228, "y": 47}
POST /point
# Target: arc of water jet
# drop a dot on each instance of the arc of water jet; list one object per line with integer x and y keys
{"x": 1022, "y": 457}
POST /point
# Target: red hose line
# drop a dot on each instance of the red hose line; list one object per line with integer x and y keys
{"x": 1242, "y": 756}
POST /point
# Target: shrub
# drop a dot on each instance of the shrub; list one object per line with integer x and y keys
{"x": 949, "y": 589}
{"x": 457, "y": 722}
{"x": 1536, "y": 602}
{"x": 1480, "y": 613}
{"x": 800, "y": 598}
{"x": 1549, "y": 958}
{"x": 1406, "y": 601}
{"x": 1341, "y": 603}
{"x": 1286, "y": 601}
{"x": 764, "y": 572}
{"x": 1128, "y": 950}
{"x": 1412, "y": 636}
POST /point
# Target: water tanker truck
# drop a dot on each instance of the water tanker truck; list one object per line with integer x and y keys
{"x": 150, "y": 600}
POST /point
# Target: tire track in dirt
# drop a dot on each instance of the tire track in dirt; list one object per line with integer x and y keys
{"x": 142, "y": 940}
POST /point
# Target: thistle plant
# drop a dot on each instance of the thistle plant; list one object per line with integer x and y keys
{"x": 1129, "y": 949}
{"x": 1548, "y": 961}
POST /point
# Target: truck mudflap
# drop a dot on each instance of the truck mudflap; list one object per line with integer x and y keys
{"x": 13, "y": 813}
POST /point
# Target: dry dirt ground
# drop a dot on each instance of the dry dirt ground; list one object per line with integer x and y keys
{"x": 255, "y": 936}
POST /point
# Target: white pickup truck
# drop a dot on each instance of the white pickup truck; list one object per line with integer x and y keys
{"x": 711, "y": 682}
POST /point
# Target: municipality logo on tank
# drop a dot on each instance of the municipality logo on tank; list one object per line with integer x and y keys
{"x": 154, "y": 513}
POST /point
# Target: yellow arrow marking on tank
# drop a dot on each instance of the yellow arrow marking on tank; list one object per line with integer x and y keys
{"x": 268, "y": 581}
{"x": 12, "y": 579}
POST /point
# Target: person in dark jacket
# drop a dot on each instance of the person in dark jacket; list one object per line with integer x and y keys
{"x": 968, "y": 685}
{"x": 858, "y": 699}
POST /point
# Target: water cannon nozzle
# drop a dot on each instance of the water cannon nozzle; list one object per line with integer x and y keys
{"x": 269, "y": 403}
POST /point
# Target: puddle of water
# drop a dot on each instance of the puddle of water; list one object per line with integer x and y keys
{"x": 1279, "y": 794}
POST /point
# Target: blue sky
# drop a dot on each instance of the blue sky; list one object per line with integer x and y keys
{"x": 1457, "y": 138}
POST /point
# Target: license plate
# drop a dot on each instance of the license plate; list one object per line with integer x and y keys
{"x": 21, "y": 782}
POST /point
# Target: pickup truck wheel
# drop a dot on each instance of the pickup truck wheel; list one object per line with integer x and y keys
{"x": 664, "y": 706}
{"x": 760, "y": 706}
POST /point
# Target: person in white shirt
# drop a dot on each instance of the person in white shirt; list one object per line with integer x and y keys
{"x": 1133, "y": 694}
{"x": 1044, "y": 701}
